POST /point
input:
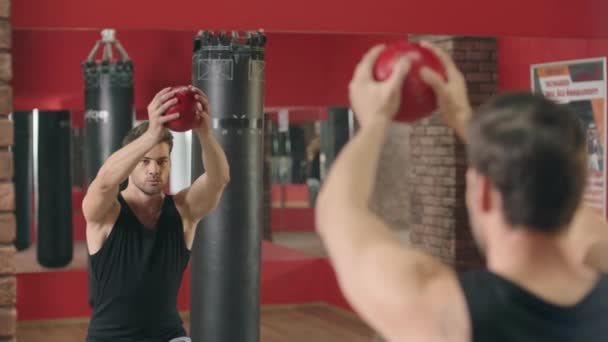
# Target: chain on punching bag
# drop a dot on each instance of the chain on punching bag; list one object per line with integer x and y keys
{"x": 226, "y": 253}
{"x": 108, "y": 100}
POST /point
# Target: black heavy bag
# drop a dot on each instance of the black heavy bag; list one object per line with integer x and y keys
{"x": 298, "y": 154}
{"x": 22, "y": 161}
{"x": 335, "y": 133}
{"x": 282, "y": 150}
{"x": 225, "y": 273}
{"x": 53, "y": 189}
{"x": 108, "y": 101}
{"x": 77, "y": 150}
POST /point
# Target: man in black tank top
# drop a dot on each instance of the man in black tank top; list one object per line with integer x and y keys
{"x": 545, "y": 253}
{"x": 139, "y": 239}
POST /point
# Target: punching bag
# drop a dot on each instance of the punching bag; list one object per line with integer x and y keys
{"x": 298, "y": 154}
{"x": 53, "y": 189}
{"x": 335, "y": 133}
{"x": 108, "y": 100}
{"x": 281, "y": 150}
{"x": 225, "y": 276}
{"x": 22, "y": 161}
{"x": 77, "y": 150}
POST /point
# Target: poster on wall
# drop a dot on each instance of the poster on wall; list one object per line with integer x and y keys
{"x": 581, "y": 85}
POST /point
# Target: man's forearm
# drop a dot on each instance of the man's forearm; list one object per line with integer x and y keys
{"x": 459, "y": 122}
{"x": 214, "y": 159}
{"x": 122, "y": 162}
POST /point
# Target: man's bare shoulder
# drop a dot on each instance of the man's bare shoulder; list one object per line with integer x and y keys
{"x": 98, "y": 232}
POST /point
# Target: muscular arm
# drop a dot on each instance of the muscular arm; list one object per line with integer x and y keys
{"x": 101, "y": 194}
{"x": 204, "y": 194}
{"x": 400, "y": 291}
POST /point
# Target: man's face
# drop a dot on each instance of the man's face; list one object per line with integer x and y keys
{"x": 152, "y": 172}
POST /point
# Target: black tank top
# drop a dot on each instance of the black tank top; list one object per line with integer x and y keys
{"x": 135, "y": 277}
{"x": 501, "y": 311}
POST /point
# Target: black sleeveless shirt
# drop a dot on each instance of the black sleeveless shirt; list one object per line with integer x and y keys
{"x": 135, "y": 277}
{"x": 501, "y": 311}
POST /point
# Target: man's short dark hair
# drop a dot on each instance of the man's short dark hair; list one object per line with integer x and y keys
{"x": 534, "y": 152}
{"x": 140, "y": 129}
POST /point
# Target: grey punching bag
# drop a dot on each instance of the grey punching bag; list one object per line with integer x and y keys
{"x": 225, "y": 265}
{"x": 108, "y": 100}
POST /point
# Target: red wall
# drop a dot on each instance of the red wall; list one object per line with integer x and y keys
{"x": 302, "y": 70}
{"x": 538, "y": 18}
{"x": 515, "y": 55}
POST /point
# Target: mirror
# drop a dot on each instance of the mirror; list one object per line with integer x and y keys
{"x": 307, "y": 118}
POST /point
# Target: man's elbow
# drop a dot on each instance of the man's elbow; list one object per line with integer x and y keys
{"x": 219, "y": 184}
{"x": 224, "y": 178}
{"x": 212, "y": 207}
{"x": 102, "y": 183}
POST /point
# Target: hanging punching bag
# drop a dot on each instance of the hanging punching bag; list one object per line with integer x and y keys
{"x": 225, "y": 277}
{"x": 22, "y": 160}
{"x": 108, "y": 100}
{"x": 335, "y": 133}
{"x": 54, "y": 189}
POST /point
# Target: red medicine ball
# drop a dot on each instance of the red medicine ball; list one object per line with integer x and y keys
{"x": 186, "y": 106}
{"x": 417, "y": 99}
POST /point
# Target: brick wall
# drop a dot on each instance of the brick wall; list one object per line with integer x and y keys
{"x": 8, "y": 313}
{"x": 438, "y": 216}
{"x": 390, "y": 199}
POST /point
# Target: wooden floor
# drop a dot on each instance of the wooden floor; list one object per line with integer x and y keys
{"x": 305, "y": 242}
{"x": 317, "y": 323}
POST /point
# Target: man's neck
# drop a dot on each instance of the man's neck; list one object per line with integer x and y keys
{"x": 142, "y": 201}
{"x": 540, "y": 263}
